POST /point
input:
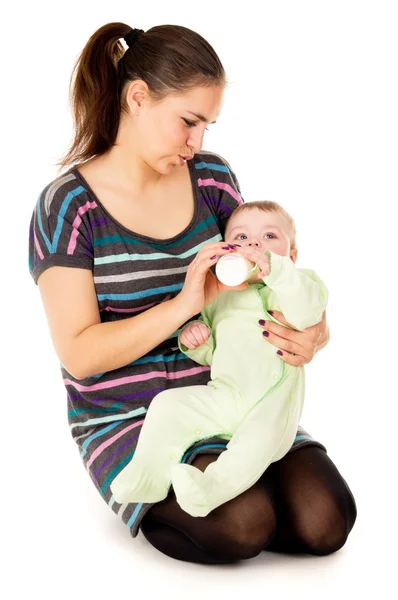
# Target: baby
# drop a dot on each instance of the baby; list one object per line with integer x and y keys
{"x": 254, "y": 398}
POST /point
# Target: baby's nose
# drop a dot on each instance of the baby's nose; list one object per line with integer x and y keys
{"x": 254, "y": 243}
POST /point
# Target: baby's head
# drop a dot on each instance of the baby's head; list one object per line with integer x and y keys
{"x": 264, "y": 224}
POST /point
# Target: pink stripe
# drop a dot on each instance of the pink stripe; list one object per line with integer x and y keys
{"x": 135, "y": 378}
{"x": 130, "y": 310}
{"x": 110, "y": 441}
{"x": 40, "y": 253}
{"x": 221, "y": 186}
{"x": 76, "y": 223}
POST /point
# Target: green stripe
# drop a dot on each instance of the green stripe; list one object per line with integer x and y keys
{"x": 111, "y": 239}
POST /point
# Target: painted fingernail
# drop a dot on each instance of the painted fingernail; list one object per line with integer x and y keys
{"x": 280, "y": 353}
{"x": 232, "y": 246}
{"x": 270, "y": 312}
{"x": 262, "y": 322}
{"x": 266, "y": 333}
{"x": 213, "y": 257}
{"x": 238, "y": 245}
{"x": 225, "y": 247}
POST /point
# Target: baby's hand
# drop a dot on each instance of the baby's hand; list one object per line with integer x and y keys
{"x": 194, "y": 334}
{"x": 257, "y": 256}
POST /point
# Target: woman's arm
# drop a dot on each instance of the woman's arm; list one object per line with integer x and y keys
{"x": 84, "y": 345}
{"x": 297, "y": 347}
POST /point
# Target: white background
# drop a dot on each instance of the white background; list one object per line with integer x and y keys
{"x": 309, "y": 120}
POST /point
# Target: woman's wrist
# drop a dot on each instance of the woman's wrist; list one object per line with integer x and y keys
{"x": 182, "y": 311}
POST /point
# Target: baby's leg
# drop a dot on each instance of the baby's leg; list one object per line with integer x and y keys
{"x": 175, "y": 420}
{"x": 265, "y": 436}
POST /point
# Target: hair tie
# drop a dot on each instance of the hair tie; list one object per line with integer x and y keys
{"x": 132, "y": 36}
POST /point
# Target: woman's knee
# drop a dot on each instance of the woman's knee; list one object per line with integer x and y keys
{"x": 242, "y": 527}
{"x": 324, "y": 525}
{"x": 236, "y": 530}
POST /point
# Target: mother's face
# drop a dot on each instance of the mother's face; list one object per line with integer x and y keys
{"x": 164, "y": 132}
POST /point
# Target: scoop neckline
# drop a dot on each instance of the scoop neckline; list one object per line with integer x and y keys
{"x": 142, "y": 237}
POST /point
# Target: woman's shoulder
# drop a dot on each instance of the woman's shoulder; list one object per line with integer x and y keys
{"x": 61, "y": 193}
{"x": 212, "y": 161}
{"x": 212, "y": 168}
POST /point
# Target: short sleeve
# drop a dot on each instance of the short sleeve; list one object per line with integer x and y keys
{"x": 219, "y": 186}
{"x": 60, "y": 233}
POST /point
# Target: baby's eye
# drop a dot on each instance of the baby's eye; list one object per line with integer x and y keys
{"x": 241, "y": 236}
{"x": 270, "y": 236}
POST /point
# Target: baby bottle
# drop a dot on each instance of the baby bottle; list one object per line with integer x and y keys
{"x": 234, "y": 269}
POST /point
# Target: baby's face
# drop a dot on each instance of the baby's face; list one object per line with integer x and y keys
{"x": 267, "y": 230}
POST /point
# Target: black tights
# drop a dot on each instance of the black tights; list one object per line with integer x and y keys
{"x": 300, "y": 505}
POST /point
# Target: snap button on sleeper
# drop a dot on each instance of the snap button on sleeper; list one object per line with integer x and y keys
{"x": 173, "y": 456}
{"x": 276, "y": 375}
{"x": 198, "y": 432}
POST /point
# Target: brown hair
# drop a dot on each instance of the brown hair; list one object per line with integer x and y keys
{"x": 169, "y": 58}
{"x": 270, "y": 206}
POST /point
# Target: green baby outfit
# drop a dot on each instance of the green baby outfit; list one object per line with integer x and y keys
{"x": 254, "y": 398}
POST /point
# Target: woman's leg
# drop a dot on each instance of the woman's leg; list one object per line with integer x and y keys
{"x": 315, "y": 507}
{"x": 239, "y": 529}
{"x": 315, "y": 513}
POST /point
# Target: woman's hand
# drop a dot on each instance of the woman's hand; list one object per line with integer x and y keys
{"x": 296, "y": 347}
{"x": 201, "y": 287}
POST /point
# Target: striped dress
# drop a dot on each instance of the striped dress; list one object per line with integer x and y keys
{"x": 132, "y": 273}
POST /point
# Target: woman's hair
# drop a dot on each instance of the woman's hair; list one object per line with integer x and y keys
{"x": 270, "y": 206}
{"x": 169, "y": 58}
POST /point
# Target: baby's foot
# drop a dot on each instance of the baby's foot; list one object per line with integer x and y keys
{"x": 135, "y": 484}
{"x": 188, "y": 487}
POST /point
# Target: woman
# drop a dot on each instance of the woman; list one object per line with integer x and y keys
{"x": 112, "y": 248}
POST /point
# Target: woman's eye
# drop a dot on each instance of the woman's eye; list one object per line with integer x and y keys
{"x": 189, "y": 123}
{"x": 192, "y": 124}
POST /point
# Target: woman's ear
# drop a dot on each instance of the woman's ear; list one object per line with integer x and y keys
{"x": 137, "y": 92}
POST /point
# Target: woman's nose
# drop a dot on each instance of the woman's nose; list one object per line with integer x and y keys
{"x": 195, "y": 139}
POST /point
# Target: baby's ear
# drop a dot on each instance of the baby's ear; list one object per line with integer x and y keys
{"x": 293, "y": 254}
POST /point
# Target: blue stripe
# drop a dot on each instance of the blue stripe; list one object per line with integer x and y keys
{"x": 159, "y": 358}
{"x": 111, "y": 239}
{"x": 64, "y": 207}
{"x": 125, "y": 256}
{"x": 204, "y": 447}
{"x": 302, "y": 437}
{"x": 134, "y": 515}
{"x": 142, "y": 294}
{"x": 96, "y": 435}
{"x": 212, "y": 167}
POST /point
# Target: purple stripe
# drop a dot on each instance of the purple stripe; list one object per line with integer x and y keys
{"x": 136, "y": 396}
{"x": 112, "y": 456}
{"x": 100, "y": 222}
{"x": 221, "y": 206}
{"x": 89, "y": 228}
